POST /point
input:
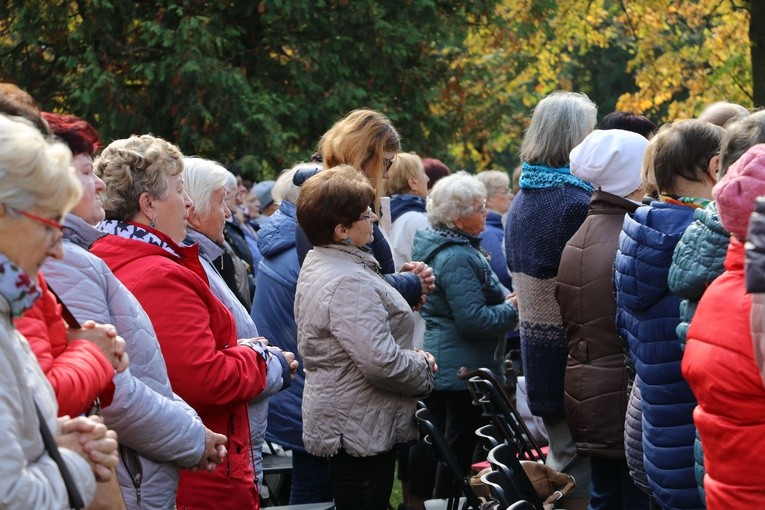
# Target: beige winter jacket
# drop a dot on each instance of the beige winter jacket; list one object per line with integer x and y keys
{"x": 355, "y": 337}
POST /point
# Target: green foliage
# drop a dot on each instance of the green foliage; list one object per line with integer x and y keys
{"x": 256, "y": 83}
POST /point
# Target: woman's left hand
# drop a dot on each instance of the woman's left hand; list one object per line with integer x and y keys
{"x": 430, "y": 359}
{"x": 424, "y": 272}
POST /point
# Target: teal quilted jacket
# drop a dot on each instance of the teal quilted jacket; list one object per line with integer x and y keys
{"x": 467, "y": 317}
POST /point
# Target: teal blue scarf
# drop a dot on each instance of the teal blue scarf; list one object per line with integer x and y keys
{"x": 542, "y": 176}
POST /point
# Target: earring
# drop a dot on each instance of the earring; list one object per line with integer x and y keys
{"x": 347, "y": 240}
{"x": 153, "y": 223}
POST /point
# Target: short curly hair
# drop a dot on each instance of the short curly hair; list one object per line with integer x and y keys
{"x": 132, "y": 166}
{"x": 454, "y": 197}
{"x": 337, "y": 196}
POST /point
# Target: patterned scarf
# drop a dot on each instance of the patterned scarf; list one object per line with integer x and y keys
{"x": 20, "y": 290}
{"x": 693, "y": 202}
{"x": 129, "y": 230}
{"x": 542, "y": 176}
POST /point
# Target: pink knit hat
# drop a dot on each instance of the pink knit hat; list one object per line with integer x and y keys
{"x": 737, "y": 191}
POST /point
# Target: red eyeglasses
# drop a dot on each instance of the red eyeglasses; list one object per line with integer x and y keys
{"x": 51, "y": 223}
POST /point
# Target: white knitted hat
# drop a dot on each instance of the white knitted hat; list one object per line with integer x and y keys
{"x": 610, "y": 160}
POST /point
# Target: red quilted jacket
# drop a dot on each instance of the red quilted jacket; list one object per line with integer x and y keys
{"x": 719, "y": 365}
{"x": 78, "y": 370}
{"x": 197, "y": 335}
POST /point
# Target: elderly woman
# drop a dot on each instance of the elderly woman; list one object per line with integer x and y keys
{"x": 144, "y": 407}
{"x": 355, "y": 337}
{"x": 548, "y": 209}
{"x": 147, "y": 209}
{"x": 498, "y": 198}
{"x": 37, "y": 187}
{"x": 273, "y": 310}
{"x": 467, "y": 317}
{"x": 205, "y": 182}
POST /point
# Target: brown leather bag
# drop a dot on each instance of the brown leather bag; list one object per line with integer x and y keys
{"x": 551, "y": 485}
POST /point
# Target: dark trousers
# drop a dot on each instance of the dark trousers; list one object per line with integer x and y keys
{"x": 456, "y": 416}
{"x": 310, "y": 479}
{"x": 612, "y": 488}
{"x": 362, "y": 483}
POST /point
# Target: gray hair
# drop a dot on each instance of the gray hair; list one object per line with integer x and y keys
{"x": 35, "y": 171}
{"x": 493, "y": 181}
{"x": 454, "y": 197}
{"x": 560, "y": 122}
{"x": 201, "y": 178}
{"x": 740, "y": 136}
{"x": 285, "y": 190}
{"x": 231, "y": 183}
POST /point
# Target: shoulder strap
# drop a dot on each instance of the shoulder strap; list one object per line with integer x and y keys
{"x": 75, "y": 500}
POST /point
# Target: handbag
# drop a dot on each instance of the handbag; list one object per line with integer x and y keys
{"x": 551, "y": 485}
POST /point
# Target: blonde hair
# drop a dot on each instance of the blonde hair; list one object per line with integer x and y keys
{"x": 407, "y": 165}
{"x": 494, "y": 181}
{"x": 359, "y": 138}
{"x": 132, "y": 166}
{"x": 201, "y": 178}
{"x": 35, "y": 171}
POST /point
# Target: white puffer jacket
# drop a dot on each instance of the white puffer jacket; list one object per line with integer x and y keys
{"x": 146, "y": 414}
{"x": 355, "y": 337}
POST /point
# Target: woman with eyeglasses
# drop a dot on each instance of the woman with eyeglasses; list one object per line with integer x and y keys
{"x": 366, "y": 140}
{"x": 466, "y": 322}
{"x": 37, "y": 187}
{"x": 362, "y": 375}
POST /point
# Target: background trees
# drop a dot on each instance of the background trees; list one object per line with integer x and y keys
{"x": 259, "y": 82}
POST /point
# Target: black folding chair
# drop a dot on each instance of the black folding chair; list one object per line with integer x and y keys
{"x": 521, "y": 505}
{"x": 504, "y": 460}
{"x": 443, "y": 454}
{"x": 498, "y": 488}
{"x": 487, "y": 393}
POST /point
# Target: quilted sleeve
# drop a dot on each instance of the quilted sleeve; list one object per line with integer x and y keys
{"x": 359, "y": 321}
{"x": 464, "y": 278}
{"x": 77, "y": 370}
{"x": 208, "y": 378}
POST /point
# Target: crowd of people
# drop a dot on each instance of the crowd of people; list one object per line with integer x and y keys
{"x": 164, "y": 318}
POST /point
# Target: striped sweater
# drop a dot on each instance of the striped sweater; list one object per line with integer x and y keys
{"x": 540, "y": 222}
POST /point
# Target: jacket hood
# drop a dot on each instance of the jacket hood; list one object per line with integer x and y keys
{"x": 80, "y": 232}
{"x": 428, "y": 242}
{"x": 646, "y": 245}
{"x": 278, "y": 234}
{"x": 403, "y": 203}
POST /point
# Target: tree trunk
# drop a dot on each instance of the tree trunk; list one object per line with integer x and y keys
{"x": 757, "y": 40}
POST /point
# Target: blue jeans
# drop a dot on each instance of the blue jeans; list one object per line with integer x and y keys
{"x": 310, "y": 479}
{"x": 612, "y": 488}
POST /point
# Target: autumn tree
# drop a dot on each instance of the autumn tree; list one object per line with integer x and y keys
{"x": 676, "y": 56}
